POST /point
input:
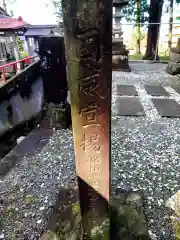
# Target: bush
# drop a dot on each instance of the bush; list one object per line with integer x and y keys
{"x": 24, "y": 54}
{"x": 20, "y": 44}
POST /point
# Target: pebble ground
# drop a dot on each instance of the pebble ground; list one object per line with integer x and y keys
{"x": 145, "y": 157}
{"x": 145, "y": 150}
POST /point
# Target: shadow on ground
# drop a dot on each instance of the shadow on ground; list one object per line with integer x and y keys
{"x": 128, "y": 221}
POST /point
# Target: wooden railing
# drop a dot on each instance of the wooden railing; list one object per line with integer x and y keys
{"x": 16, "y": 66}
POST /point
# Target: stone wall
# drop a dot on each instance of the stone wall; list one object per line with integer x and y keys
{"x": 21, "y": 98}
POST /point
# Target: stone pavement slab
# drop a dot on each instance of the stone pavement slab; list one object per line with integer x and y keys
{"x": 126, "y": 90}
{"x": 167, "y": 107}
{"x": 176, "y": 88}
{"x": 155, "y": 90}
{"x": 129, "y": 106}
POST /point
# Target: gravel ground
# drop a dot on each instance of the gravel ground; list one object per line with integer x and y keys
{"x": 145, "y": 157}
{"x": 145, "y": 151}
{"x": 29, "y": 191}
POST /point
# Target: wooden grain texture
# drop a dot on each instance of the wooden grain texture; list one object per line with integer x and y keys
{"x": 88, "y": 39}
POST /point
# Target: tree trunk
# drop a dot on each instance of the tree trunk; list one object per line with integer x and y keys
{"x": 138, "y": 27}
{"x": 138, "y": 46}
{"x": 155, "y": 13}
{"x": 171, "y": 3}
{"x": 88, "y": 42}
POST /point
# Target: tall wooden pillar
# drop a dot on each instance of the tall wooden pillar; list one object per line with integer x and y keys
{"x": 88, "y": 41}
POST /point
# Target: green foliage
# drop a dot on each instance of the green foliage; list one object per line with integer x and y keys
{"x": 178, "y": 1}
{"x": 135, "y": 36}
{"x": 6, "y": 4}
{"x": 11, "y": 13}
{"x": 24, "y": 54}
{"x": 100, "y": 232}
{"x": 29, "y": 199}
{"x": 130, "y": 12}
{"x": 20, "y": 44}
{"x": 58, "y": 7}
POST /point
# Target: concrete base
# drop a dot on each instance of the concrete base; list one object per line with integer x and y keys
{"x": 175, "y": 57}
{"x": 173, "y": 68}
{"x": 120, "y": 63}
{"x": 127, "y": 216}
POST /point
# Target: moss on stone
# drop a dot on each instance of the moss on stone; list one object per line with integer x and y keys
{"x": 58, "y": 115}
{"x": 128, "y": 220}
{"x": 70, "y": 228}
{"x": 174, "y": 204}
{"x": 176, "y": 222}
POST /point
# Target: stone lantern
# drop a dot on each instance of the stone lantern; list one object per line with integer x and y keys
{"x": 173, "y": 67}
{"x": 119, "y": 52}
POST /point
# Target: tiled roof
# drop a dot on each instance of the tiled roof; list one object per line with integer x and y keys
{"x": 38, "y": 32}
{"x": 11, "y": 23}
{"x": 4, "y": 16}
{"x": 42, "y": 26}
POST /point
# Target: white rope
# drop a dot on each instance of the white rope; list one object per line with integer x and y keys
{"x": 148, "y": 23}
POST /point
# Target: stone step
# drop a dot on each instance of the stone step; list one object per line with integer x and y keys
{"x": 117, "y": 29}
{"x": 117, "y": 40}
{"x": 121, "y": 51}
{"x": 118, "y": 45}
{"x": 120, "y": 33}
{"x": 120, "y": 63}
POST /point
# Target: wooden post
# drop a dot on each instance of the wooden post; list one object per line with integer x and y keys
{"x": 88, "y": 41}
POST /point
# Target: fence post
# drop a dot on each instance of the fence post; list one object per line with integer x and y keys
{"x": 88, "y": 41}
{"x": 3, "y": 74}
